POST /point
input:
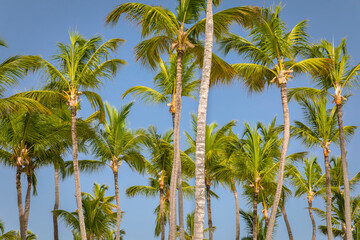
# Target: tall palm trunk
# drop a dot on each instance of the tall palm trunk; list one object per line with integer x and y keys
{"x": 176, "y": 162}
{"x": 233, "y": 188}
{"x": 345, "y": 174}
{"x": 328, "y": 194}
{"x": 201, "y": 125}
{"x": 181, "y": 205}
{"x": 56, "y": 205}
{"x": 76, "y": 173}
{"x": 27, "y": 202}
{"x": 19, "y": 202}
{"x": 254, "y": 229}
{"x": 287, "y": 223}
{"x": 118, "y": 209}
{"x": 162, "y": 222}
{"x": 285, "y": 144}
{"x": 208, "y": 205}
{"x": 312, "y": 220}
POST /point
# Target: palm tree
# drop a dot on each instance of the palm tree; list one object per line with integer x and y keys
{"x": 11, "y": 70}
{"x": 320, "y": 128}
{"x": 164, "y": 92}
{"x": 282, "y": 204}
{"x": 98, "y": 213}
{"x": 338, "y": 217}
{"x": 116, "y": 144}
{"x": 341, "y": 76}
{"x": 29, "y": 235}
{"x": 25, "y": 139}
{"x": 272, "y": 52}
{"x": 189, "y": 232}
{"x": 82, "y": 65}
{"x": 170, "y": 33}
{"x": 10, "y": 235}
{"x": 308, "y": 182}
{"x": 214, "y": 146}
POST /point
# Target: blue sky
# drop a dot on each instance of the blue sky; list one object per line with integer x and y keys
{"x": 35, "y": 27}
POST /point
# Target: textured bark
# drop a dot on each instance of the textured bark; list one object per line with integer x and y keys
{"x": 76, "y": 173}
{"x": 201, "y": 125}
{"x": 254, "y": 229}
{"x": 208, "y": 204}
{"x": 56, "y": 204}
{"x": 19, "y": 202}
{"x": 118, "y": 209}
{"x": 312, "y": 221}
{"x": 162, "y": 222}
{"x": 176, "y": 162}
{"x": 287, "y": 223}
{"x": 284, "y": 147}
{"x": 27, "y": 201}
{"x": 237, "y": 236}
{"x": 345, "y": 173}
{"x": 328, "y": 195}
{"x": 181, "y": 206}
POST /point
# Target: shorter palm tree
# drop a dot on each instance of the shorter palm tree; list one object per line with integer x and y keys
{"x": 98, "y": 213}
{"x": 10, "y": 235}
{"x": 189, "y": 232}
{"x": 308, "y": 182}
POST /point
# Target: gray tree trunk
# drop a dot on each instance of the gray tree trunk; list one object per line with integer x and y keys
{"x": 208, "y": 204}
{"x": 76, "y": 173}
{"x": 181, "y": 205}
{"x": 118, "y": 209}
{"x": 345, "y": 174}
{"x": 328, "y": 196}
{"x": 201, "y": 125}
{"x": 19, "y": 202}
{"x": 237, "y": 236}
{"x": 176, "y": 141}
{"x": 254, "y": 229}
{"x": 312, "y": 221}
{"x": 56, "y": 204}
{"x": 280, "y": 179}
{"x": 287, "y": 223}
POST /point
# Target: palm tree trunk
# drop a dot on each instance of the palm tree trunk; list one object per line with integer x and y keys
{"x": 237, "y": 236}
{"x": 56, "y": 205}
{"x": 254, "y": 229}
{"x": 19, "y": 202}
{"x": 312, "y": 221}
{"x": 287, "y": 223}
{"x": 285, "y": 144}
{"x": 208, "y": 204}
{"x": 118, "y": 209}
{"x": 345, "y": 173}
{"x": 176, "y": 162}
{"x": 162, "y": 222}
{"x": 181, "y": 206}
{"x": 27, "y": 201}
{"x": 201, "y": 125}
{"x": 76, "y": 173}
{"x": 328, "y": 195}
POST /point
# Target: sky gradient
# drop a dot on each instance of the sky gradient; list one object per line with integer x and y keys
{"x": 35, "y": 27}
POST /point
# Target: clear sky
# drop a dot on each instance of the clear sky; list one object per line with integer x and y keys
{"x": 35, "y": 27}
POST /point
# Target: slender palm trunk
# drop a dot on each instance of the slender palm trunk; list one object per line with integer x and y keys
{"x": 208, "y": 205}
{"x": 254, "y": 229}
{"x": 345, "y": 174}
{"x": 237, "y": 236}
{"x": 176, "y": 162}
{"x": 287, "y": 223}
{"x": 312, "y": 221}
{"x": 19, "y": 202}
{"x": 27, "y": 202}
{"x": 118, "y": 209}
{"x": 162, "y": 222}
{"x": 285, "y": 144}
{"x": 181, "y": 205}
{"x": 201, "y": 125}
{"x": 56, "y": 205}
{"x": 76, "y": 173}
{"x": 328, "y": 195}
